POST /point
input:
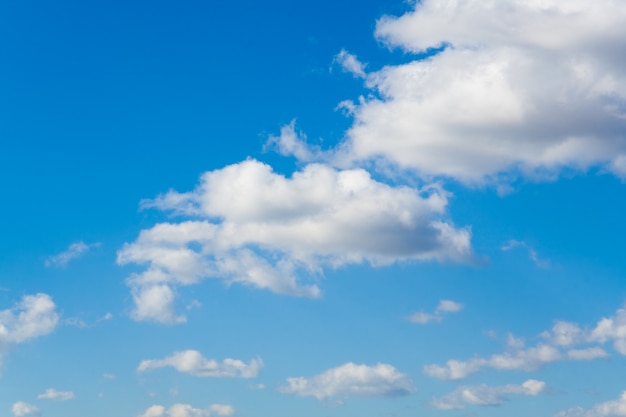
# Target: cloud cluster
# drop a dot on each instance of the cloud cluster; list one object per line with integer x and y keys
{"x": 444, "y": 307}
{"x": 185, "y": 410}
{"x": 485, "y": 395}
{"x": 352, "y": 380}
{"x": 192, "y": 362}
{"x": 565, "y": 341}
{"x": 501, "y": 98}
{"x": 247, "y": 224}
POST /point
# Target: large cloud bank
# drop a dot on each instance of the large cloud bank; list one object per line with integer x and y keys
{"x": 521, "y": 87}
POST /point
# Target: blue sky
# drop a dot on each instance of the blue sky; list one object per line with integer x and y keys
{"x": 312, "y": 209}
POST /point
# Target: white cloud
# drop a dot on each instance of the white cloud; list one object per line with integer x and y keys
{"x": 192, "y": 362}
{"x": 21, "y": 408}
{"x": 252, "y": 226}
{"x": 517, "y": 357}
{"x": 615, "y": 408}
{"x": 75, "y": 250}
{"x": 52, "y": 394}
{"x": 292, "y": 143}
{"x": 34, "y": 316}
{"x": 532, "y": 253}
{"x": 502, "y": 98}
{"x": 444, "y": 307}
{"x": 352, "y": 380}
{"x": 185, "y": 410}
{"x": 484, "y": 395}
{"x": 350, "y": 63}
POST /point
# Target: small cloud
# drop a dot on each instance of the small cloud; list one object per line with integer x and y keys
{"x": 350, "y": 63}
{"x": 193, "y": 363}
{"x": 21, "y": 408}
{"x": 352, "y": 380}
{"x": 444, "y": 307}
{"x": 74, "y": 251}
{"x": 109, "y": 376}
{"x": 532, "y": 253}
{"x": 52, "y": 394}
{"x": 257, "y": 387}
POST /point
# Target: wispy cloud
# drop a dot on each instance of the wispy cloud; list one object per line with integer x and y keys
{"x": 350, "y": 63}
{"x": 532, "y": 253}
{"x": 485, "y": 395}
{"x": 52, "y": 394}
{"x": 74, "y": 251}
{"x": 444, "y": 307}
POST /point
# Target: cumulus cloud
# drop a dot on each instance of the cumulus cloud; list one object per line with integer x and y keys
{"x": 192, "y": 362}
{"x": 75, "y": 250}
{"x": 350, "y": 63}
{"x": 352, "y": 380}
{"x": 444, "y": 307}
{"x": 247, "y": 224}
{"x": 21, "y": 408}
{"x": 52, "y": 394}
{"x": 185, "y": 410}
{"x": 485, "y": 395}
{"x": 615, "y": 408}
{"x": 500, "y": 98}
{"x": 34, "y": 316}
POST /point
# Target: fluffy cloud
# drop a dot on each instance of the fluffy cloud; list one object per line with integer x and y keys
{"x": 21, "y": 408}
{"x": 250, "y": 225}
{"x": 34, "y": 316}
{"x": 444, "y": 307}
{"x": 615, "y": 408}
{"x": 351, "y": 380}
{"x": 75, "y": 250}
{"x": 192, "y": 362}
{"x": 52, "y": 394}
{"x": 501, "y": 98}
{"x": 185, "y": 410}
{"x": 484, "y": 395}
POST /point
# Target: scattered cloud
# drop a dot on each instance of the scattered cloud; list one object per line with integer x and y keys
{"x": 565, "y": 341}
{"x": 21, "y": 408}
{"x": 108, "y": 376}
{"x": 192, "y": 362}
{"x": 34, "y": 316}
{"x": 350, "y": 63}
{"x": 532, "y": 253}
{"x": 185, "y": 410}
{"x": 52, "y": 394}
{"x": 497, "y": 100}
{"x": 485, "y": 395}
{"x": 615, "y": 408}
{"x": 444, "y": 307}
{"x": 74, "y": 251}
{"x": 351, "y": 380}
{"x": 249, "y": 225}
